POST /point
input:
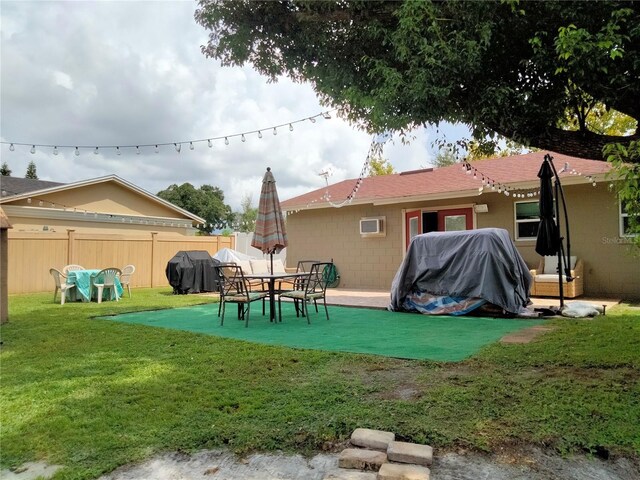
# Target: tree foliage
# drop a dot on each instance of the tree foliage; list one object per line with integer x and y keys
{"x": 380, "y": 166}
{"x": 626, "y": 162}
{"x": 245, "y": 221}
{"x": 445, "y": 157}
{"x": 5, "y": 171}
{"x": 31, "y": 171}
{"x": 206, "y": 202}
{"x": 516, "y": 69}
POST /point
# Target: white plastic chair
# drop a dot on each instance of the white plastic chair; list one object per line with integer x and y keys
{"x": 125, "y": 277}
{"x": 61, "y": 284}
{"x": 70, "y": 268}
{"x": 108, "y": 276}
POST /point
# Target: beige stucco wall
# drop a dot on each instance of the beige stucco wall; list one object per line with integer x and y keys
{"x": 610, "y": 267}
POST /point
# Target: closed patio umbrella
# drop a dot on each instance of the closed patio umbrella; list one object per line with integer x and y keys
{"x": 270, "y": 235}
{"x": 548, "y": 239}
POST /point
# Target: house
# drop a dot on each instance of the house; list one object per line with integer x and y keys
{"x": 368, "y": 235}
{"x": 106, "y": 204}
{"x": 97, "y": 223}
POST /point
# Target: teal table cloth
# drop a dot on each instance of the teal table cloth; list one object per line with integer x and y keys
{"x": 82, "y": 280}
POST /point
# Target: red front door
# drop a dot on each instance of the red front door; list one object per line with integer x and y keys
{"x": 455, "y": 219}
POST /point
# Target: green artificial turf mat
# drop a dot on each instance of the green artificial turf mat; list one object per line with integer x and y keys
{"x": 355, "y": 330}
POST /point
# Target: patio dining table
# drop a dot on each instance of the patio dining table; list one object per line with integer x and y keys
{"x": 82, "y": 280}
{"x": 270, "y": 279}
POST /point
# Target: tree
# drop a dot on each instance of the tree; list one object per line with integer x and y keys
{"x": 380, "y": 166}
{"x": 31, "y": 171}
{"x": 509, "y": 68}
{"x": 206, "y": 202}
{"x": 245, "y": 221}
{"x": 5, "y": 171}
{"x": 445, "y": 157}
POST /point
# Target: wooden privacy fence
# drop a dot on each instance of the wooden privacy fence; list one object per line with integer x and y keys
{"x": 32, "y": 254}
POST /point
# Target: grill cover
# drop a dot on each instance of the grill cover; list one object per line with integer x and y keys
{"x": 192, "y": 272}
{"x": 481, "y": 263}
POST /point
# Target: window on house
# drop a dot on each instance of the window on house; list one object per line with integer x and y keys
{"x": 625, "y": 221}
{"x": 527, "y": 220}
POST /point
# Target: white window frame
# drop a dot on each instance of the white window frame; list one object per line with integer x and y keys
{"x": 517, "y": 222}
{"x": 621, "y": 216}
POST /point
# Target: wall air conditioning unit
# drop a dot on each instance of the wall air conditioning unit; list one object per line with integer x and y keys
{"x": 372, "y": 227}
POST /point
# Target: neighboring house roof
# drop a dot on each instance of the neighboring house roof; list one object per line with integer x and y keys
{"x": 515, "y": 172}
{"x": 60, "y": 187}
{"x": 15, "y": 185}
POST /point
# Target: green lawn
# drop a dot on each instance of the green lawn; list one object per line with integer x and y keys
{"x": 95, "y": 394}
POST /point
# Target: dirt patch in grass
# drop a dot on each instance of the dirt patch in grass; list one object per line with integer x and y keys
{"x": 526, "y": 335}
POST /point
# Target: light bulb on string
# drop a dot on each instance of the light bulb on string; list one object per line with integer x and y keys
{"x": 291, "y": 127}
{"x": 137, "y": 150}
{"x": 275, "y": 131}
{"x": 326, "y": 115}
{"x": 259, "y": 134}
{"x": 209, "y": 143}
{"x": 55, "y": 150}
{"x": 178, "y": 147}
{"x": 243, "y": 138}
{"x": 29, "y": 200}
{"x": 95, "y": 151}
{"x": 77, "y": 152}
{"x": 226, "y": 140}
{"x": 12, "y": 148}
{"x": 157, "y": 149}
{"x": 312, "y": 120}
{"x": 118, "y": 152}
{"x": 191, "y": 147}
{"x": 33, "y": 149}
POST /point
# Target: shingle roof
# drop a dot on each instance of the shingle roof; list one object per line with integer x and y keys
{"x": 447, "y": 182}
{"x": 15, "y": 185}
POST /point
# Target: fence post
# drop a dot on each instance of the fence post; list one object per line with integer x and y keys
{"x": 71, "y": 246}
{"x": 154, "y": 239}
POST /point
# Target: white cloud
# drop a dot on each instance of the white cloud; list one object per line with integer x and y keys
{"x": 132, "y": 73}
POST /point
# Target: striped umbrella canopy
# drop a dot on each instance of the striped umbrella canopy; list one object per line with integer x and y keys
{"x": 270, "y": 234}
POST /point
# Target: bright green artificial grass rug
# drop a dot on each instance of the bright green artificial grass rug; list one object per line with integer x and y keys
{"x": 354, "y": 330}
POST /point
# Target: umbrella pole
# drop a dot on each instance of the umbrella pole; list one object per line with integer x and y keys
{"x": 558, "y": 194}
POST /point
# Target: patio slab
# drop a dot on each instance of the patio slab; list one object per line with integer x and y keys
{"x": 381, "y": 299}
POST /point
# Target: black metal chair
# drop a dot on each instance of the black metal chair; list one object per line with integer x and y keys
{"x": 234, "y": 288}
{"x": 309, "y": 288}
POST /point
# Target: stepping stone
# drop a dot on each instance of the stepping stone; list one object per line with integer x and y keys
{"x": 396, "y": 471}
{"x": 405, "y": 452}
{"x": 374, "y": 439}
{"x": 349, "y": 475}
{"x": 358, "y": 459}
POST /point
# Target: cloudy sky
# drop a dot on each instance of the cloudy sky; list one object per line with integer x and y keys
{"x": 131, "y": 73}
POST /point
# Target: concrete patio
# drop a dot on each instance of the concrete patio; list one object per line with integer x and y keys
{"x": 380, "y": 299}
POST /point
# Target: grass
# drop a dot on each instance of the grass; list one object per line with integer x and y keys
{"x": 94, "y": 395}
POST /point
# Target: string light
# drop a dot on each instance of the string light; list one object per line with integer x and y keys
{"x": 77, "y": 152}
{"x": 137, "y": 150}
{"x": 95, "y": 152}
{"x": 55, "y": 150}
{"x": 177, "y": 145}
{"x": 191, "y": 147}
{"x": 489, "y": 182}
{"x": 226, "y": 141}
